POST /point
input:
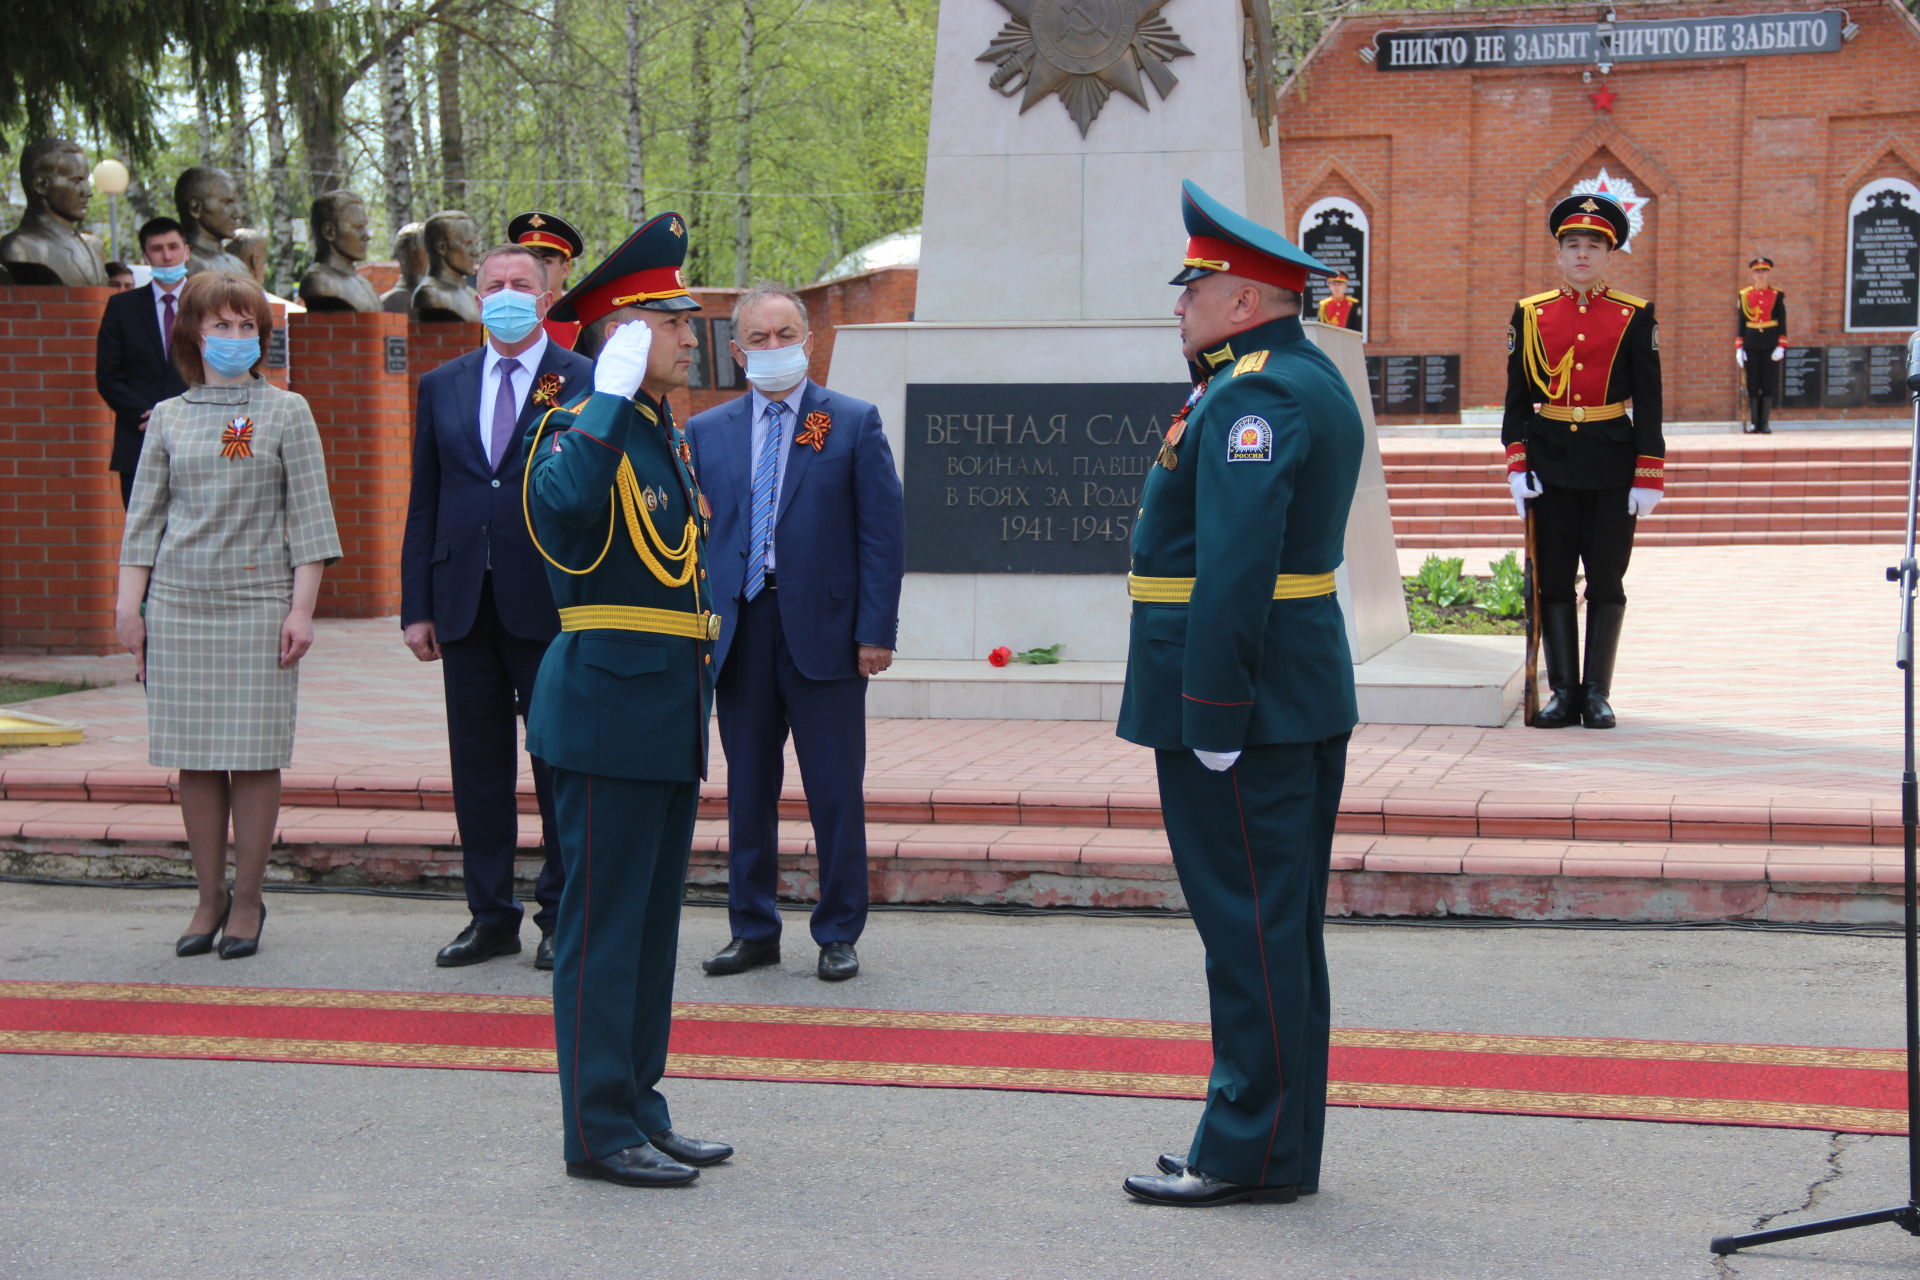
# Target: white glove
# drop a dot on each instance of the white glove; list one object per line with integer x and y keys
{"x": 1779, "y": 353}
{"x": 1641, "y": 502}
{"x": 623, "y": 361}
{"x": 1524, "y": 485}
{"x": 1740, "y": 356}
{"x": 1218, "y": 761}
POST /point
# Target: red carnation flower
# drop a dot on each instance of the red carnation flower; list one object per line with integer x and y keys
{"x": 1000, "y": 657}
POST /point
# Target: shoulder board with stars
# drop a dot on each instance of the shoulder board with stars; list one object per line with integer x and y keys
{"x": 1252, "y": 362}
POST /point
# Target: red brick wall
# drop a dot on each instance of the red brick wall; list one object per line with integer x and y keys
{"x": 60, "y": 515}
{"x": 366, "y": 428}
{"x": 1457, "y": 170}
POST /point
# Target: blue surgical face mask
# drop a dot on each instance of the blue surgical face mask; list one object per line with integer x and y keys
{"x": 777, "y": 368}
{"x": 509, "y": 314}
{"x": 170, "y": 275}
{"x": 230, "y": 357}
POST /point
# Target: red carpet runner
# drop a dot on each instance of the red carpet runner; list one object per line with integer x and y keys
{"x": 1781, "y": 1086}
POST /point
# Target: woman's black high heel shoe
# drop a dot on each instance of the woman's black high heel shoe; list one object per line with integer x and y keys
{"x": 198, "y": 944}
{"x": 232, "y": 948}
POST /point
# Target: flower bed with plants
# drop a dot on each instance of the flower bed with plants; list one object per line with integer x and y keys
{"x": 1443, "y": 599}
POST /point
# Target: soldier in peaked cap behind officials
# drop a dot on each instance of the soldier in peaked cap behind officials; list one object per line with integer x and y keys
{"x": 625, "y": 691}
{"x": 1761, "y": 342}
{"x": 553, "y": 240}
{"x": 1339, "y": 308}
{"x": 1576, "y": 356}
{"x": 1239, "y": 677}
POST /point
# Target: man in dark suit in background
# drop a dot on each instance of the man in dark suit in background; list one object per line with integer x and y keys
{"x": 809, "y": 546}
{"x": 474, "y": 593}
{"x": 133, "y": 368}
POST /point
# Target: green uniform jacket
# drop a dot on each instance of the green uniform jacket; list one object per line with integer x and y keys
{"x": 623, "y": 704}
{"x": 1263, "y": 475}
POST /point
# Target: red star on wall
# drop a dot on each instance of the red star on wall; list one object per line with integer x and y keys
{"x": 1603, "y": 100}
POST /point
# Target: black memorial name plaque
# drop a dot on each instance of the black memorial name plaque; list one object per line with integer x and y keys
{"x": 1029, "y": 477}
{"x": 396, "y": 353}
{"x": 700, "y": 372}
{"x": 1339, "y": 241}
{"x": 1400, "y": 385}
{"x": 1800, "y": 380}
{"x": 1846, "y": 377}
{"x": 277, "y": 347}
{"x": 1883, "y": 264}
{"x": 1440, "y": 385}
{"x": 1376, "y": 380}
{"x": 727, "y": 374}
{"x": 1886, "y": 375}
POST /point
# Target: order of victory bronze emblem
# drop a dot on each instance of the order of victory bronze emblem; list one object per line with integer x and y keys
{"x": 1083, "y": 50}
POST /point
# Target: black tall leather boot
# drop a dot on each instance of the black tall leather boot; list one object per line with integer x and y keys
{"x": 1560, "y": 635}
{"x": 1762, "y": 409}
{"x": 1603, "y": 642}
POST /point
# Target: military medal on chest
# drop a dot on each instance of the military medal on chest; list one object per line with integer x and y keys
{"x": 1178, "y": 428}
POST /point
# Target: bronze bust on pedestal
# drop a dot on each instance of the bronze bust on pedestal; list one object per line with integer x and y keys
{"x": 451, "y": 251}
{"x": 339, "y": 222}
{"x": 209, "y": 211}
{"x": 410, "y": 254}
{"x": 48, "y": 246}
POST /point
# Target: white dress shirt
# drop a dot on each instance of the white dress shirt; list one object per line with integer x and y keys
{"x": 522, "y": 384}
{"x": 160, "y": 312}
{"x": 790, "y": 423}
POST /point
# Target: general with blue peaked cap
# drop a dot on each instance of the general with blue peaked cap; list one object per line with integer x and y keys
{"x": 625, "y": 690}
{"x": 1239, "y": 678}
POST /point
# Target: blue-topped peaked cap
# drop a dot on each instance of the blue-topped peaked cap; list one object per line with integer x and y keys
{"x": 1218, "y": 239}
{"x": 643, "y": 272}
{"x": 1594, "y": 211}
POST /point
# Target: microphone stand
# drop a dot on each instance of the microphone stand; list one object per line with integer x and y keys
{"x": 1907, "y": 1215}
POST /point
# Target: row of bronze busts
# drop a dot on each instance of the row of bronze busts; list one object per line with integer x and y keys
{"x": 48, "y": 247}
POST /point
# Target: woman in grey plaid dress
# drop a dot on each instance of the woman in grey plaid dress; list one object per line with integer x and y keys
{"x": 228, "y": 531}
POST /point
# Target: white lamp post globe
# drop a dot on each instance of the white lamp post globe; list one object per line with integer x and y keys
{"x": 110, "y": 177}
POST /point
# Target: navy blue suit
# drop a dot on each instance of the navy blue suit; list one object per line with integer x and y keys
{"x": 788, "y": 659}
{"x": 468, "y": 566}
{"x": 133, "y": 374}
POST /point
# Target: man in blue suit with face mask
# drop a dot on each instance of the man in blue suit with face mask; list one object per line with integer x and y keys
{"x": 809, "y": 546}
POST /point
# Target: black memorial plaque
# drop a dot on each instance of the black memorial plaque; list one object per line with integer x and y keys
{"x": 1340, "y": 242}
{"x": 1883, "y": 264}
{"x": 1886, "y": 375}
{"x": 700, "y": 372}
{"x": 727, "y": 374}
{"x": 1440, "y": 385}
{"x": 1400, "y": 378}
{"x": 396, "y": 355}
{"x": 277, "y": 348}
{"x": 1846, "y": 375}
{"x": 1800, "y": 380}
{"x": 1376, "y": 389}
{"x": 1029, "y": 477}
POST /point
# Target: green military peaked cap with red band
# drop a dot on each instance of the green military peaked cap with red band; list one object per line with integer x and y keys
{"x": 1218, "y": 239}
{"x": 643, "y": 272}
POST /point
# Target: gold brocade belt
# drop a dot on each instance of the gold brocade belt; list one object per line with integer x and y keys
{"x": 1582, "y": 413}
{"x": 1287, "y": 586}
{"x": 1761, "y": 324}
{"x": 623, "y": 617}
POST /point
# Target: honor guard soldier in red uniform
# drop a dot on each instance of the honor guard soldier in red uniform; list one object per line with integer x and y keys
{"x": 553, "y": 240}
{"x": 1338, "y": 308}
{"x": 1762, "y": 343}
{"x": 1576, "y": 356}
{"x": 625, "y": 692}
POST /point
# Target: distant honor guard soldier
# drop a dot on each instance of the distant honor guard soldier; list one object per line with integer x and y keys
{"x": 1338, "y": 308}
{"x": 1762, "y": 343}
{"x": 1239, "y": 677}
{"x": 1575, "y": 356}
{"x": 625, "y": 692}
{"x": 553, "y": 240}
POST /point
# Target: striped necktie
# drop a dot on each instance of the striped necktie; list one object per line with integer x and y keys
{"x": 766, "y": 484}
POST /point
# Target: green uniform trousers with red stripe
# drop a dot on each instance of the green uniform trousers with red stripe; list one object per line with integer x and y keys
{"x": 1252, "y": 846}
{"x": 624, "y": 842}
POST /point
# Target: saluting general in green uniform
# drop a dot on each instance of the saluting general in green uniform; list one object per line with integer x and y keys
{"x": 625, "y": 689}
{"x": 1239, "y": 677}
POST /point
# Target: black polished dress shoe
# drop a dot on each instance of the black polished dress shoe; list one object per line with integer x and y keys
{"x": 641, "y": 1166}
{"x": 543, "y": 954}
{"x": 1195, "y": 1190}
{"x": 476, "y": 944}
{"x": 232, "y": 948}
{"x": 198, "y": 944}
{"x": 743, "y": 954}
{"x": 1173, "y": 1162}
{"x": 690, "y": 1151}
{"x": 838, "y": 962}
